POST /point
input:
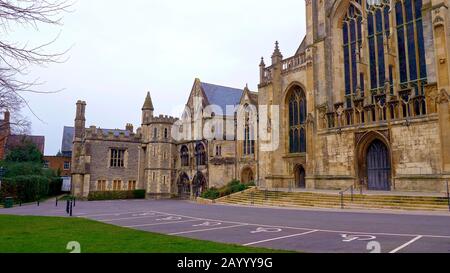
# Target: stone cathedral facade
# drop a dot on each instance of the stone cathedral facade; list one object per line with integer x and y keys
{"x": 364, "y": 101}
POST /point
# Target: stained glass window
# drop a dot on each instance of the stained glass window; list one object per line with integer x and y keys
{"x": 411, "y": 48}
{"x": 378, "y": 30}
{"x": 297, "y": 120}
{"x": 352, "y": 41}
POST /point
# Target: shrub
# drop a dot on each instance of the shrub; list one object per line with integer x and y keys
{"x": 116, "y": 195}
{"x": 212, "y": 193}
{"x": 232, "y": 187}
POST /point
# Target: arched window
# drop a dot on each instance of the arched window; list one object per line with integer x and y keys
{"x": 411, "y": 49}
{"x": 184, "y": 156}
{"x": 297, "y": 120}
{"x": 378, "y": 24}
{"x": 352, "y": 40}
{"x": 379, "y": 16}
{"x": 200, "y": 155}
{"x": 249, "y": 139}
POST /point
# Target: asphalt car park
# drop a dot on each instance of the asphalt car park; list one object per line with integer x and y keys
{"x": 287, "y": 229}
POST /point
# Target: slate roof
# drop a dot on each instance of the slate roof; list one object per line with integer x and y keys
{"x": 17, "y": 140}
{"x": 302, "y": 47}
{"x": 222, "y": 96}
{"x": 67, "y": 139}
{"x": 68, "y": 133}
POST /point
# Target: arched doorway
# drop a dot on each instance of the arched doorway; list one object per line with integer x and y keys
{"x": 378, "y": 166}
{"x": 300, "y": 175}
{"x": 247, "y": 175}
{"x": 199, "y": 184}
{"x": 184, "y": 186}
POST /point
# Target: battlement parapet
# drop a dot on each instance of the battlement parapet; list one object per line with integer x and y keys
{"x": 164, "y": 119}
{"x": 94, "y": 133}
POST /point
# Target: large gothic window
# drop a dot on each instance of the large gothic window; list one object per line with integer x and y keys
{"x": 184, "y": 156}
{"x": 352, "y": 39}
{"x": 378, "y": 25}
{"x": 379, "y": 18}
{"x": 297, "y": 121}
{"x": 411, "y": 49}
{"x": 200, "y": 155}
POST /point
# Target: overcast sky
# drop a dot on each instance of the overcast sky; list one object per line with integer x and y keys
{"x": 122, "y": 49}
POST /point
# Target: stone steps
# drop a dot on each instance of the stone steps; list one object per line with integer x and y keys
{"x": 308, "y": 199}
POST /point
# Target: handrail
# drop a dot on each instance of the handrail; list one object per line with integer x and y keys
{"x": 448, "y": 196}
{"x": 351, "y": 189}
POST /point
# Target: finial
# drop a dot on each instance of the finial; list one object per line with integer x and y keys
{"x": 277, "y": 52}
{"x": 262, "y": 62}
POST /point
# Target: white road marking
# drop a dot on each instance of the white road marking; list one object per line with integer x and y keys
{"x": 160, "y": 224}
{"x": 202, "y": 230}
{"x": 267, "y": 230}
{"x": 129, "y": 218}
{"x": 279, "y": 238}
{"x": 321, "y": 230}
{"x": 114, "y": 214}
{"x": 406, "y": 244}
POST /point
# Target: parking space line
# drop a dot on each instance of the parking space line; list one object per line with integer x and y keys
{"x": 160, "y": 224}
{"x": 406, "y": 244}
{"x": 130, "y": 218}
{"x": 321, "y": 230}
{"x": 108, "y": 214}
{"x": 279, "y": 238}
{"x": 208, "y": 229}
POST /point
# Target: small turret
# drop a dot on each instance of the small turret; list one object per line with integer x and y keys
{"x": 147, "y": 110}
{"x": 262, "y": 68}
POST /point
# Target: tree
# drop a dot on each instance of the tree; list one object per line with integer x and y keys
{"x": 27, "y": 152}
{"x": 26, "y": 178}
{"x": 16, "y": 58}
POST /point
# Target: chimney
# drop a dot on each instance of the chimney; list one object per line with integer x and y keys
{"x": 129, "y": 127}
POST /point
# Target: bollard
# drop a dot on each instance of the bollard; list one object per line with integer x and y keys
{"x": 74, "y": 201}
{"x": 67, "y": 207}
{"x": 38, "y": 203}
{"x": 71, "y": 206}
{"x": 56, "y": 201}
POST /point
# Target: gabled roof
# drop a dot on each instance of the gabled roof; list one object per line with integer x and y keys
{"x": 18, "y": 140}
{"x": 221, "y": 95}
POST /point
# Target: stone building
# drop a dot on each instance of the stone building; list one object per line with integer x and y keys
{"x": 363, "y": 102}
{"x": 151, "y": 159}
{"x": 365, "y": 99}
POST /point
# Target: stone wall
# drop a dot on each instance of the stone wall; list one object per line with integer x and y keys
{"x": 100, "y": 169}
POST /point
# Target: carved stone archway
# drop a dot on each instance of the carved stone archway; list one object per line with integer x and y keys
{"x": 247, "y": 175}
{"x": 374, "y": 160}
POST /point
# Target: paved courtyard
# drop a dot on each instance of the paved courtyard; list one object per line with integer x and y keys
{"x": 289, "y": 229}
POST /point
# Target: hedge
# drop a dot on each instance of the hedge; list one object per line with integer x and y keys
{"x": 26, "y": 188}
{"x": 116, "y": 195}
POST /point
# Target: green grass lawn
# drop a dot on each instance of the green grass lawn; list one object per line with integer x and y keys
{"x": 25, "y": 234}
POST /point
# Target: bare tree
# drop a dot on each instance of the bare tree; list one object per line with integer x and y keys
{"x": 15, "y": 58}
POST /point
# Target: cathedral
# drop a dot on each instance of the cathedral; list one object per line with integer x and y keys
{"x": 363, "y": 102}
